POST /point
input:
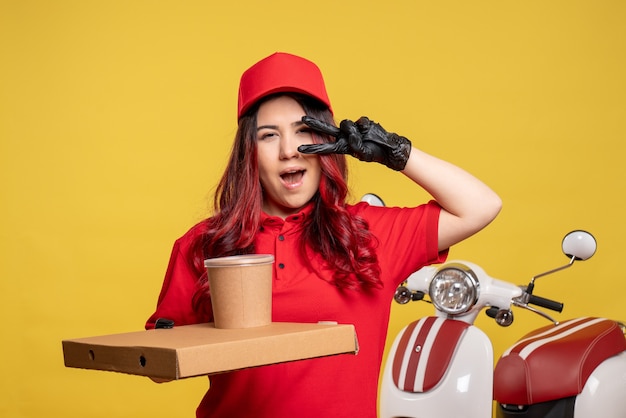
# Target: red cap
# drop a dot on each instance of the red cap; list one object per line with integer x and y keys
{"x": 279, "y": 73}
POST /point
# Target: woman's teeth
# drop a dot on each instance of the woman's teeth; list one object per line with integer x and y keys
{"x": 292, "y": 176}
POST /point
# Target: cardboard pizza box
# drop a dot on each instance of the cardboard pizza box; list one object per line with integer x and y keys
{"x": 202, "y": 349}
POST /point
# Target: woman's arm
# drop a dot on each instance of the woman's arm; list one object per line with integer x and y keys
{"x": 468, "y": 204}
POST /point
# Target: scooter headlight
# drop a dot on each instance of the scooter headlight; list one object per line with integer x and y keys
{"x": 454, "y": 289}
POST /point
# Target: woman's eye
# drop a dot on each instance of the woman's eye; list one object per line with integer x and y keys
{"x": 266, "y": 135}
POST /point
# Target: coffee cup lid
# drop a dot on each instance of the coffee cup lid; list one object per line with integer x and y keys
{"x": 239, "y": 260}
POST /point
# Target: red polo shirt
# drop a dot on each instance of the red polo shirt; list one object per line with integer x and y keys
{"x": 336, "y": 386}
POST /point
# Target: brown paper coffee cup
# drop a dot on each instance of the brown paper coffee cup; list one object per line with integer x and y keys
{"x": 241, "y": 290}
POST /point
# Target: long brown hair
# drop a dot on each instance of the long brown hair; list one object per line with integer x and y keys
{"x": 342, "y": 240}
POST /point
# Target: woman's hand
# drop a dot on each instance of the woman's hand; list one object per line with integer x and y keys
{"x": 363, "y": 139}
{"x": 160, "y": 379}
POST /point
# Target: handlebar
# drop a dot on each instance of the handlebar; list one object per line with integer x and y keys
{"x": 496, "y": 295}
{"x": 545, "y": 303}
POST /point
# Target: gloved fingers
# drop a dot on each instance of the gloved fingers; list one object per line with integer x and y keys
{"x": 373, "y": 132}
{"x": 338, "y": 147}
{"x": 321, "y": 126}
{"x": 363, "y": 123}
{"x": 350, "y": 131}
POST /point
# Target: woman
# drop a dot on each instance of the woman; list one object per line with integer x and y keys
{"x": 283, "y": 193}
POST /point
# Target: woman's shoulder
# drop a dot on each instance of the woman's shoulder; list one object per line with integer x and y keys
{"x": 384, "y": 217}
{"x": 364, "y": 208}
{"x": 193, "y": 233}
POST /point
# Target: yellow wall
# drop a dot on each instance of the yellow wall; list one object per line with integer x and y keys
{"x": 116, "y": 118}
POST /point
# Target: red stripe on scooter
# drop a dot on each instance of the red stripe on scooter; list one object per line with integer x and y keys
{"x": 406, "y": 352}
{"x": 401, "y": 350}
{"x": 415, "y": 355}
{"x": 442, "y": 351}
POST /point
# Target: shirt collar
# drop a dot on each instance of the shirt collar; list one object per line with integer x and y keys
{"x": 295, "y": 218}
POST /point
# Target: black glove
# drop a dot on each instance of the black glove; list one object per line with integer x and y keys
{"x": 363, "y": 139}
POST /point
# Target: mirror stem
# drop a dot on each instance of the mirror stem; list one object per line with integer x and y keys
{"x": 531, "y": 285}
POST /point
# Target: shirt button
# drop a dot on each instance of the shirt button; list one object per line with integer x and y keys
{"x": 281, "y": 237}
{"x": 281, "y": 266}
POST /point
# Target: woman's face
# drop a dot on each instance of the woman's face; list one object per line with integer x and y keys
{"x": 289, "y": 179}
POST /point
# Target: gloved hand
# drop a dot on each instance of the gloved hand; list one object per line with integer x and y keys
{"x": 363, "y": 139}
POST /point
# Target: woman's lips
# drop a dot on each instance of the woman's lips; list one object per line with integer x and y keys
{"x": 292, "y": 178}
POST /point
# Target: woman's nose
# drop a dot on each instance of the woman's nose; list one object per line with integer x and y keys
{"x": 288, "y": 148}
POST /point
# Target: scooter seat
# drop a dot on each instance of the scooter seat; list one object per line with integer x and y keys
{"x": 554, "y": 362}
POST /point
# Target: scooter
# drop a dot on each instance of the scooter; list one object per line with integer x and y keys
{"x": 443, "y": 365}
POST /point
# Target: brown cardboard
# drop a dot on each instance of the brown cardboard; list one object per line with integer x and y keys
{"x": 241, "y": 290}
{"x": 202, "y": 349}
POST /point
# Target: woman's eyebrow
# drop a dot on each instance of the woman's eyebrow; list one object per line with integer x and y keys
{"x": 266, "y": 127}
{"x": 295, "y": 124}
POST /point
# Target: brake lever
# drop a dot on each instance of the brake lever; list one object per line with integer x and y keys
{"x": 519, "y": 302}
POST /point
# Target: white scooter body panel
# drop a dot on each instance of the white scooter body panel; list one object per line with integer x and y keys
{"x": 465, "y": 391}
{"x": 604, "y": 393}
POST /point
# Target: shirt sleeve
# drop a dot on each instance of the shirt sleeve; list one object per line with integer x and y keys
{"x": 407, "y": 238}
{"x": 177, "y": 292}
